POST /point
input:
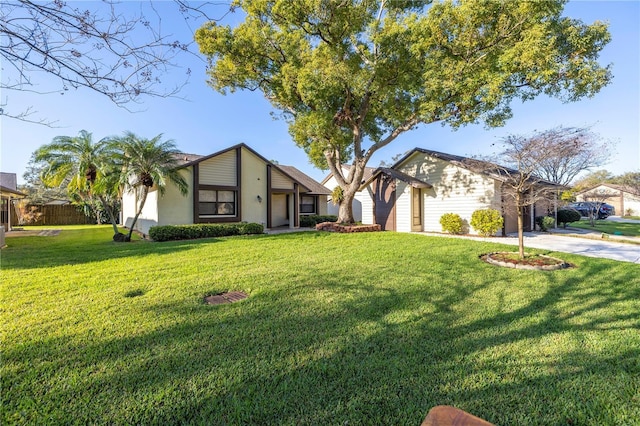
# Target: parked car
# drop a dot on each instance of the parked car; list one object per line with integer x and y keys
{"x": 587, "y": 208}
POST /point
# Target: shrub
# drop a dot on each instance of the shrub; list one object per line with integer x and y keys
{"x": 487, "y": 221}
{"x": 202, "y": 230}
{"x": 309, "y": 221}
{"x": 544, "y": 222}
{"x": 250, "y": 228}
{"x": 567, "y": 216}
{"x": 452, "y": 223}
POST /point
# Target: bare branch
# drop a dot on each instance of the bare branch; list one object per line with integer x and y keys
{"x": 108, "y": 48}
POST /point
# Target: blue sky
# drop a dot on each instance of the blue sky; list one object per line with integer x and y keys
{"x": 204, "y": 121}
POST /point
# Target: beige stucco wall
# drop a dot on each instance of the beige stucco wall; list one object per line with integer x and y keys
{"x": 254, "y": 184}
{"x": 455, "y": 190}
{"x": 175, "y": 208}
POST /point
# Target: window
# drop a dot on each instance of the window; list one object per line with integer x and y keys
{"x": 307, "y": 204}
{"x": 217, "y": 202}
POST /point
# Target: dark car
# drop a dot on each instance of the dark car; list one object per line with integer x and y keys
{"x": 588, "y": 208}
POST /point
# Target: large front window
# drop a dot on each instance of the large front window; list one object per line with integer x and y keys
{"x": 307, "y": 204}
{"x": 217, "y": 203}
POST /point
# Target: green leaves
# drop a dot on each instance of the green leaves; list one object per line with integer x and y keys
{"x": 351, "y": 76}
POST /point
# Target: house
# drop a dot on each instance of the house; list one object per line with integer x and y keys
{"x": 624, "y": 199}
{"x": 363, "y": 202}
{"x": 233, "y": 185}
{"x": 8, "y": 193}
{"x": 412, "y": 194}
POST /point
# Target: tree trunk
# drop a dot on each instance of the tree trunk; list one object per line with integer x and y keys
{"x": 110, "y": 213}
{"x": 345, "y": 210}
{"x": 520, "y": 227}
{"x": 145, "y": 191}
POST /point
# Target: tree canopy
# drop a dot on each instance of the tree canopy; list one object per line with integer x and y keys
{"x": 351, "y": 76}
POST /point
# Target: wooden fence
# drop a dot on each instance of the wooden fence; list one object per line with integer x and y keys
{"x": 66, "y": 214}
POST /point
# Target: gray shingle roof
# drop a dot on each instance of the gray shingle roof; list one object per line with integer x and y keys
{"x": 315, "y": 188}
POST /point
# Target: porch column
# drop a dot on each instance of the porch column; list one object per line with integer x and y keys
{"x": 296, "y": 206}
{"x": 9, "y": 213}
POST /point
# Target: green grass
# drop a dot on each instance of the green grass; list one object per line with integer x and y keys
{"x": 368, "y": 328}
{"x": 613, "y": 228}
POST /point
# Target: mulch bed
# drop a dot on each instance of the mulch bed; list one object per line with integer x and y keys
{"x": 538, "y": 262}
{"x": 338, "y": 227}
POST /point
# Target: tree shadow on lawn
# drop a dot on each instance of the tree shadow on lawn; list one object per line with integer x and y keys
{"x": 356, "y": 353}
{"x": 39, "y": 253}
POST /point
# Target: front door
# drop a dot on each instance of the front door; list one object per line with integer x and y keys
{"x": 416, "y": 210}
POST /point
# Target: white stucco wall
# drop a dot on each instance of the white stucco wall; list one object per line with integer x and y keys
{"x": 149, "y": 215}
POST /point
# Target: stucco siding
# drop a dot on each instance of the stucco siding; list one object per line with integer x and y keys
{"x": 455, "y": 190}
{"x": 279, "y": 215}
{"x": 219, "y": 170}
{"x": 175, "y": 208}
{"x": 254, "y": 184}
{"x": 149, "y": 215}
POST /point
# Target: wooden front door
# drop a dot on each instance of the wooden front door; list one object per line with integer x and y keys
{"x": 416, "y": 210}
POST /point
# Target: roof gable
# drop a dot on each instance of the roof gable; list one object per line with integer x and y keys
{"x": 474, "y": 165}
{"x": 290, "y": 172}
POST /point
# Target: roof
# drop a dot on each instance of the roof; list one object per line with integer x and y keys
{"x": 397, "y": 174}
{"x": 184, "y": 158}
{"x": 188, "y": 160}
{"x": 368, "y": 172}
{"x": 11, "y": 192}
{"x": 315, "y": 188}
{"x": 622, "y": 188}
{"x": 468, "y": 163}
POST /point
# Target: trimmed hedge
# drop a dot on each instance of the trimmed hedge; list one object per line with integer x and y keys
{"x": 203, "y": 230}
{"x": 311, "y": 221}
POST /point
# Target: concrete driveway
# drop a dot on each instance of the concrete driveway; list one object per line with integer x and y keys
{"x": 569, "y": 242}
{"x": 624, "y": 252}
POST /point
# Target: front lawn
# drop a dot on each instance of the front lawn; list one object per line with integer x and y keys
{"x": 612, "y": 228}
{"x": 366, "y": 328}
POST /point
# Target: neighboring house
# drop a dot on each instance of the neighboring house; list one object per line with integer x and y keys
{"x": 418, "y": 189}
{"x": 233, "y": 185}
{"x": 363, "y": 202}
{"x": 8, "y": 193}
{"x": 623, "y": 198}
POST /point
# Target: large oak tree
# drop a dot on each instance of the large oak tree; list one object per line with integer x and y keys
{"x": 351, "y": 76}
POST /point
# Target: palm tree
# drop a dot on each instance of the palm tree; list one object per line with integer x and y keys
{"x": 85, "y": 167}
{"x": 148, "y": 163}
